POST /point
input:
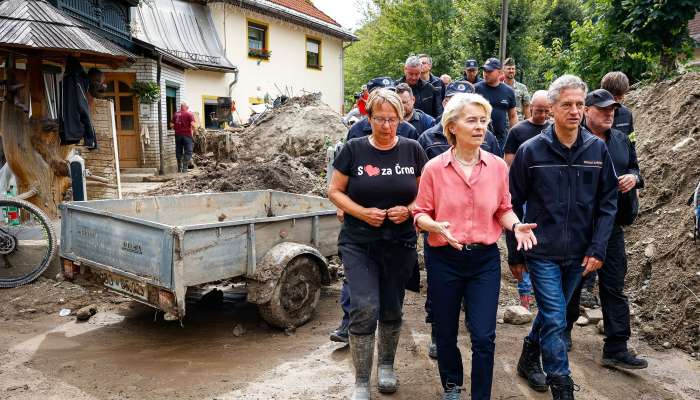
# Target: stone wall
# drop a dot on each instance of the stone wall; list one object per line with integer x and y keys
{"x": 102, "y": 162}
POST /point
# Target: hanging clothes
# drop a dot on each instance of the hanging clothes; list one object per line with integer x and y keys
{"x": 75, "y": 111}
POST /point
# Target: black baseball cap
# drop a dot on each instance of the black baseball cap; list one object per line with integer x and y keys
{"x": 601, "y": 98}
{"x": 492, "y": 64}
{"x": 458, "y": 87}
{"x": 381, "y": 82}
{"x": 471, "y": 64}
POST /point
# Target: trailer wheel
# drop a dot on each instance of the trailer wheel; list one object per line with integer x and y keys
{"x": 295, "y": 296}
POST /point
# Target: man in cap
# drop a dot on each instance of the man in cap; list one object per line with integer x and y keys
{"x": 434, "y": 141}
{"x": 600, "y": 109}
{"x": 428, "y": 99}
{"x": 471, "y": 72}
{"x": 522, "y": 95}
{"x": 426, "y": 74}
{"x": 566, "y": 177}
{"x": 363, "y": 128}
{"x": 501, "y": 97}
{"x": 420, "y": 120}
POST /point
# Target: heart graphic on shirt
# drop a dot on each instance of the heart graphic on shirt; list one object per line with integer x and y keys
{"x": 372, "y": 170}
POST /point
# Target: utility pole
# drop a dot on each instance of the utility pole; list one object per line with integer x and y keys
{"x": 504, "y": 29}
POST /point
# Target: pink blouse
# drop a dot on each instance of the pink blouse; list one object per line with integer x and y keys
{"x": 473, "y": 206}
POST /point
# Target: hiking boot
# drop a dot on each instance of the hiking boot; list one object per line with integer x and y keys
{"x": 625, "y": 360}
{"x": 525, "y": 300}
{"x": 588, "y": 299}
{"x": 362, "y": 350}
{"x": 530, "y": 367}
{"x": 563, "y": 387}
{"x": 386, "y": 352}
{"x": 432, "y": 348}
{"x": 452, "y": 392}
{"x": 340, "y": 335}
{"x": 567, "y": 340}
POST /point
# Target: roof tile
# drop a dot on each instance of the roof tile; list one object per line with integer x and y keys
{"x": 306, "y": 7}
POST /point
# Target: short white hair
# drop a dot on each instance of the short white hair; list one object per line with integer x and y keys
{"x": 565, "y": 82}
{"x": 454, "y": 107}
{"x": 540, "y": 94}
{"x": 184, "y": 103}
{"x": 412, "y": 61}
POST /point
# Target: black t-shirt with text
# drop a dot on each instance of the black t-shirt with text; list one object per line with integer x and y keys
{"x": 502, "y": 99}
{"x": 521, "y": 133}
{"x": 381, "y": 179}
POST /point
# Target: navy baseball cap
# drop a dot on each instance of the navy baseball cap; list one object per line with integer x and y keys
{"x": 492, "y": 64}
{"x": 601, "y": 98}
{"x": 381, "y": 82}
{"x": 458, "y": 87}
{"x": 471, "y": 64}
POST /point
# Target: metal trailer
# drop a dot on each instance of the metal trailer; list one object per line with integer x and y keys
{"x": 153, "y": 249}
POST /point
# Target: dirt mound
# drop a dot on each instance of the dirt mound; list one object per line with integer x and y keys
{"x": 664, "y": 262}
{"x": 284, "y": 150}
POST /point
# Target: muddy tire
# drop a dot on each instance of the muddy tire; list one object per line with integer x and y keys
{"x": 295, "y": 296}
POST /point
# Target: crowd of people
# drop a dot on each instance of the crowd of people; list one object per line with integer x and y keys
{"x": 460, "y": 163}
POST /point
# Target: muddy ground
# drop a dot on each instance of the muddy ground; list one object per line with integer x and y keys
{"x": 126, "y": 351}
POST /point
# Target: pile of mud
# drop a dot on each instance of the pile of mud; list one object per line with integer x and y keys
{"x": 664, "y": 261}
{"x": 285, "y": 149}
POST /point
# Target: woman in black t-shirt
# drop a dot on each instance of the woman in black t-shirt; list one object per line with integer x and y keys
{"x": 375, "y": 183}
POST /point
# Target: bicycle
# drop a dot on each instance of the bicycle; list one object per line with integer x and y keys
{"x": 27, "y": 242}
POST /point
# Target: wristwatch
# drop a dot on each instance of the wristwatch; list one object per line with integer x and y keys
{"x": 514, "y": 225}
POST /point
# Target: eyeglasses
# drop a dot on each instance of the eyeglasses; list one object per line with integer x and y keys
{"x": 382, "y": 121}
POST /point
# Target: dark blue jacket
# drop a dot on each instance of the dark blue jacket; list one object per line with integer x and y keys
{"x": 428, "y": 99}
{"x": 435, "y": 143}
{"x": 421, "y": 121}
{"x": 624, "y": 120}
{"x": 571, "y": 195}
{"x": 438, "y": 84}
{"x": 363, "y": 128}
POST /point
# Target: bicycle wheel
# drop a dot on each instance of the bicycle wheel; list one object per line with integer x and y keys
{"x": 27, "y": 242}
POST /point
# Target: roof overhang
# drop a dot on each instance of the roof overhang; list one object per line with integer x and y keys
{"x": 275, "y": 10}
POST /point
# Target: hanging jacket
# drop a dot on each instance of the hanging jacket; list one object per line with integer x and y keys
{"x": 75, "y": 121}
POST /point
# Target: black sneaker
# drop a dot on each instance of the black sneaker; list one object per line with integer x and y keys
{"x": 340, "y": 335}
{"x": 567, "y": 340}
{"x": 625, "y": 360}
{"x": 432, "y": 348}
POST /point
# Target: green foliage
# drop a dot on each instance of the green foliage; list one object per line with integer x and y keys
{"x": 148, "y": 92}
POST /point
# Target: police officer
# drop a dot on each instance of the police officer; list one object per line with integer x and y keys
{"x": 434, "y": 141}
{"x": 600, "y": 110}
{"x": 420, "y": 120}
{"x": 427, "y": 99}
{"x": 363, "y": 127}
{"x": 501, "y": 97}
{"x": 566, "y": 177}
{"x": 471, "y": 72}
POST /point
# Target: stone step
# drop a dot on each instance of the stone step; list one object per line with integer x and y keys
{"x": 134, "y": 177}
{"x": 129, "y": 171}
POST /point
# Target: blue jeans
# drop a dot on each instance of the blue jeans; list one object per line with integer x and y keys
{"x": 554, "y": 283}
{"x": 525, "y": 285}
{"x": 475, "y": 276}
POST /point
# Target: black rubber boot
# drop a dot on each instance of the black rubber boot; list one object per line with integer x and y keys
{"x": 386, "y": 353}
{"x": 362, "y": 349}
{"x": 563, "y": 387}
{"x": 530, "y": 367}
{"x": 341, "y": 334}
{"x": 624, "y": 359}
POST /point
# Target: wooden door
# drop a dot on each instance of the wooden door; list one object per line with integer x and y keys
{"x": 126, "y": 116}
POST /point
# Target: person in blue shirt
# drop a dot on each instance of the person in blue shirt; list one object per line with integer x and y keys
{"x": 363, "y": 128}
{"x": 501, "y": 97}
{"x": 420, "y": 120}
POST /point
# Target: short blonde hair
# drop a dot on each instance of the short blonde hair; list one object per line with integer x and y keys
{"x": 381, "y": 96}
{"x": 455, "y": 107}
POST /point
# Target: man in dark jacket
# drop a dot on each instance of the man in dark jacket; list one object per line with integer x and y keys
{"x": 471, "y": 72}
{"x": 600, "y": 110}
{"x": 426, "y": 74}
{"x": 420, "y": 120}
{"x": 566, "y": 177}
{"x": 618, "y": 85}
{"x": 428, "y": 99}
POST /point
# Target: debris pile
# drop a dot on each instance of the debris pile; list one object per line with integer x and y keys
{"x": 664, "y": 262}
{"x": 284, "y": 150}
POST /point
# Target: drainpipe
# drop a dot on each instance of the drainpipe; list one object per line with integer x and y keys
{"x": 232, "y": 84}
{"x": 161, "y": 146}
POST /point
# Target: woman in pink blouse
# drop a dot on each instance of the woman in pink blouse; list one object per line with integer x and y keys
{"x": 464, "y": 204}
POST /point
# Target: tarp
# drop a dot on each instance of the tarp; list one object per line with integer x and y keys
{"x": 184, "y": 30}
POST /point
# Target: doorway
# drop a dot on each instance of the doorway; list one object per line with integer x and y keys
{"x": 126, "y": 115}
